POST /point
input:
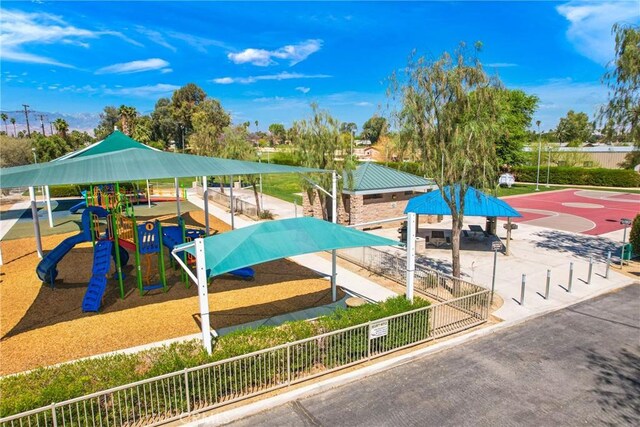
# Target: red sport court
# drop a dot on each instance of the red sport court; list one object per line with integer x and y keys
{"x": 581, "y": 211}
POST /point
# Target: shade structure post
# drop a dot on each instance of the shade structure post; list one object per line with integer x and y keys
{"x": 177, "y": 184}
{"x": 203, "y": 294}
{"x": 48, "y": 200}
{"x": 36, "y": 221}
{"x": 205, "y": 197}
{"x": 148, "y": 195}
{"x": 233, "y": 225}
{"x": 506, "y": 251}
{"x": 334, "y": 219}
{"x": 411, "y": 253}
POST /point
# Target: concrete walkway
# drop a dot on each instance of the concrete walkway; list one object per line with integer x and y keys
{"x": 351, "y": 282}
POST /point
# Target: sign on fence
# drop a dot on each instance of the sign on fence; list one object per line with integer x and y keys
{"x": 378, "y": 329}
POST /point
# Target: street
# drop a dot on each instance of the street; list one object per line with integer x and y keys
{"x": 576, "y": 366}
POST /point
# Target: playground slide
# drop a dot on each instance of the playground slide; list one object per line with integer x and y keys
{"x": 172, "y": 236}
{"x": 98, "y": 283}
{"x": 46, "y": 269}
{"x": 75, "y": 208}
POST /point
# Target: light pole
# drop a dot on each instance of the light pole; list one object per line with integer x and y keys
{"x": 548, "y": 163}
{"x": 35, "y": 157}
{"x": 626, "y": 222}
{"x": 261, "y": 198}
{"x": 539, "y": 149}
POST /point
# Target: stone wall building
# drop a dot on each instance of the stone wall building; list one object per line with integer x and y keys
{"x": 377, "y": 192}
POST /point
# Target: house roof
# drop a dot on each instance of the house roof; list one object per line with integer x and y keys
{"x": 476, "y": 203}
{"x": 271, "y": 240}
{"x": 369, "y": 178}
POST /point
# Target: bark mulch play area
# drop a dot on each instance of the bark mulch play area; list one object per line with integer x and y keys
{"x": 40, "y": 326}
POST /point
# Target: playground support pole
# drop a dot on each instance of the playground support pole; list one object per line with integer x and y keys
{"x": 178, "y": 196}
{"x": 334, "y": 219}
{"x": 411, "y": 253}
{"x": 203, "y": 294}
{"x": 205, "y": 196}
{"x": 148, "y": 195}
{"x": 233, "y": 222}
{"x": 48, "y": 200}
{"x": 116, "y": 241}
{"x": 36, "y": 221}
{"x": 161, "y": 266}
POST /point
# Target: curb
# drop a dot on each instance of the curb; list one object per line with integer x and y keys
{"x": 235, "y": 414}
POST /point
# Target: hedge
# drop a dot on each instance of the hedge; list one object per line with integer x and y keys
{"x": 73, "y": 190}
{"x": 42, "y": 386}
{"x": 634, "y": 235}
{"x": 580, "y": 176}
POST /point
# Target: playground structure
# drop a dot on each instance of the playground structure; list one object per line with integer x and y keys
{"x": 109, "y": 222}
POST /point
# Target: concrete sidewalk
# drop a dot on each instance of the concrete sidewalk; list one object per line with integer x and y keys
{"x": 351, "y": 282}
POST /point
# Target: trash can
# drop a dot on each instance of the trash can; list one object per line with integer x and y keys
{"x": 628, "y": 251}
{"x": 403, "y": 232}
{"x": 491, "y": 225}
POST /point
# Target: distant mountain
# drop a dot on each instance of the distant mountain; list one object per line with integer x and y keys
{"x": 83, "y": 122}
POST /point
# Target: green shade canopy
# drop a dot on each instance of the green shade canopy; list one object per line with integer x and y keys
{"x": 134, "y": 164}
{"x": 116, "y": 141}
{"x": 268, "y": 241}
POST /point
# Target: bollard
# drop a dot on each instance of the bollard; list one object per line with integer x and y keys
{"x": 493, "y": 278}
{"x": 606, "y": 271}
{"x": 524, "y": 282}
{"x": 546, "y": 292}
{"x": 622, "y": 257}
{"x": 570, "y": 277}
{"x": 590, "y": 270}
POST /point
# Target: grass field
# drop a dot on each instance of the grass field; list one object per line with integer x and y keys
{"x": 283, "y": 186}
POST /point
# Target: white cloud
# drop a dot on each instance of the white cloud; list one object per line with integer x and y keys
{"x": 262, "y": 58}
{"x": 590, "y": 25}
{"x": 269, "y": 99}
{"x": 148, "y": 91}
{"x": 156, "y": 37}
{"x": 135, "y": 66}
{"x": 21, "y": 29}
{"x": 303, "y": 89}
{"x": 500, "y": 65}
{"x": 280, "y": 76}
{"x": 557, "y": 96}
{"x": 363, "y": 104}
{"x": 166, "y": 70}
{"x": 199, "y": 43}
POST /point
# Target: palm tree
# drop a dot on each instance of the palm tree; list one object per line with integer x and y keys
{"x": 13, "y": 122}
{"x": 61, "y": 127}
{"x": 127, "y": 116}
{"x": 4, "y": 118}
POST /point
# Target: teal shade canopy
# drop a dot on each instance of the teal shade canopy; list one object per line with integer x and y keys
{"x": 476, "y": 203}
{"x": 271, "y": 240}
{"x": 127, "y": 160}
{"x": 116, "y": 141}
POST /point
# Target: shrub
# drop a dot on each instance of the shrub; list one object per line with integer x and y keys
{"x": 42, "y": 386}
{"x": 580, "y": 176}
{"x": 65, "y": 191}
{"x": 634, "y": 235}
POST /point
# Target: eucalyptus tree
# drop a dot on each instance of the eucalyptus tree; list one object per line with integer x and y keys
{"x": 447, "y": 113}
{"x": 623, "y": 80}
{"x": 316, "y": 141}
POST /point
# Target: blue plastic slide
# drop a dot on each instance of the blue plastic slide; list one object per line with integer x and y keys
{"x": 98, "y": 283}
{"x": 46, "y": 270}
{"x": 81, "y": 205}
{"x": 172, "y": 236}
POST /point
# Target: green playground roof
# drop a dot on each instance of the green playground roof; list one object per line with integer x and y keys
{"x": 369, "y": 178}
{"x": 116, "y": 141}
{"x": 271, "y": 240}
{"x": 133, "y": 164}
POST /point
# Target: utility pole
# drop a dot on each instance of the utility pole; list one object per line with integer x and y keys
{"x": 42, "y": 124}
{"x": 26, "y": 116}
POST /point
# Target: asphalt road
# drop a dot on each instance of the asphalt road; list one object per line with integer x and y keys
{"x": 577, "y": 366}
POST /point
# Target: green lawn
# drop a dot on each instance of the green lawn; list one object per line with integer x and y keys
{"x": 283, "y": 186}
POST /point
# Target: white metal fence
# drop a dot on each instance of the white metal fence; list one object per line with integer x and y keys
{"x": 176, "y": 395}
{"x": 240, "y": 206}
{"x": 429, "y": 282}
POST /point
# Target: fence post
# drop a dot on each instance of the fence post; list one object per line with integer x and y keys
{"x": 288, "y": 365}
{"x": 524, "y": 283}
{"x": 369, "y": 340}
{"x": 546, "y": 292}
{"x": 606, "y": 271}
{"x": 53, "y": 415}
{"x": 570, "y": 277}
{"x": 186, "y": 387}
{"x": 590, "y": 270}
{"x": 493, "y": 278}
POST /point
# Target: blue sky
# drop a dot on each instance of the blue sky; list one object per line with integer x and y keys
{"x": 268, "y": 61}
